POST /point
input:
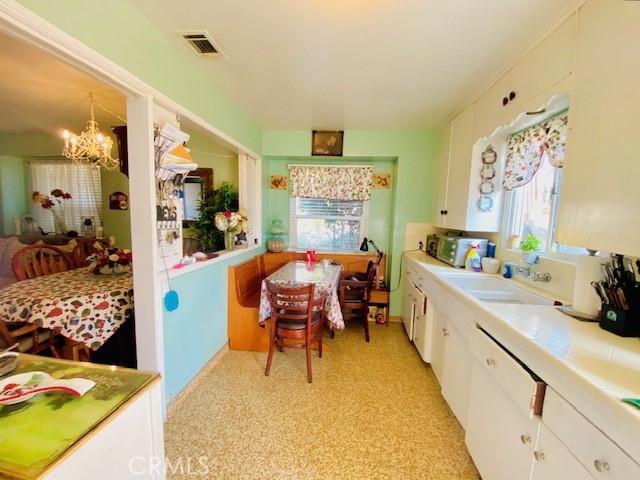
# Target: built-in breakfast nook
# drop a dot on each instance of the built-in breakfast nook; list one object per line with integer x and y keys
{"x": 318, "y": 240}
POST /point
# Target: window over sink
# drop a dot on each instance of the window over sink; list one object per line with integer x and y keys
{"x": 532, "y": 183}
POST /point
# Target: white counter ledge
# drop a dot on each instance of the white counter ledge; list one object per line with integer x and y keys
{"x": 591, "y": 368}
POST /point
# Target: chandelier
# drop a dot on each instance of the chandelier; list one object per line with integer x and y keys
{"x": 91, "y": 147}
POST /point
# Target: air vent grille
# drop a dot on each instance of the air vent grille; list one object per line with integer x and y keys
{"x": 201, "y": 42}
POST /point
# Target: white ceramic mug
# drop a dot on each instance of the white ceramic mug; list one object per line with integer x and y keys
{"x": 491, "y": 265}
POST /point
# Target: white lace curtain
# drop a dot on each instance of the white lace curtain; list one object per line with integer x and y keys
{"x": 82, "y": 182}
{"x": 331, "y": 182}
{"x": 527, "y": 148}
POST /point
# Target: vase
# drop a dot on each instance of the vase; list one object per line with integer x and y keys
{"x": 59, "y": 227}
{"x": 229, "y": 240}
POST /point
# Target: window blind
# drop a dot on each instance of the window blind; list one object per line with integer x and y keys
{"x": 82, "y": 182}
{"x": 250, "y": 195}
{"x": 333, "y": 225}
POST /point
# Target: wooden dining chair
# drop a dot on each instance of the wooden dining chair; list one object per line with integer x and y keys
{"x": 38, "y": 260}
{"x": 354, "y": 294}
{"x": 297, "y": 318}
{"x": 29, "y": 337}
{"x": 85, "y": 247}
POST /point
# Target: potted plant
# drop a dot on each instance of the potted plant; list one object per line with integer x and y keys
{"x": 530, "y": 246}
{"x": 225, "y": 198}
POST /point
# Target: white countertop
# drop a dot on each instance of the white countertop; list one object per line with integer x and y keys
{"x": 591, "y": 368}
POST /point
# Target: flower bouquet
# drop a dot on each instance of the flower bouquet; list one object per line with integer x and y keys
{"x": 53, "y": 202}
{"x": 109, "y": 261}
{"x": 232, "y": 224}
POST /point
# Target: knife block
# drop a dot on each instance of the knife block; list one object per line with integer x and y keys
{"x": 625, "y": 323}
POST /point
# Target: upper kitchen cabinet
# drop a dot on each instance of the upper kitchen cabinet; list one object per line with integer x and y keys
{"x": 600, "y": 191}
{"x": 454, "y": 214}
{"x": 458, "y": 188}
{"x": 548, "y": 63}
{"x": 442, "y": 159}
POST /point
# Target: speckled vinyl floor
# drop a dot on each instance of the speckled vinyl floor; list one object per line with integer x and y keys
{"x": 373, "y": 411}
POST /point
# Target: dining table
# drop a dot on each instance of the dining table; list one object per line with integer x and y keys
{"x": 324, "y": 275}
{"x": 80, "y": 305}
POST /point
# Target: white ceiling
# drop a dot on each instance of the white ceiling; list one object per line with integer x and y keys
{"x": 357, "y": 63}
{"x": 40, "y": 93}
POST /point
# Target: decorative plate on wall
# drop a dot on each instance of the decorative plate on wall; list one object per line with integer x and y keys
{"x": 381, "y": 180}
{"x": 279, "y": 182}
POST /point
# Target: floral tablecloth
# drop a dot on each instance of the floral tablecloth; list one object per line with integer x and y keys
{"x": 81, "y": 306}
{"x": 325, "y": 277}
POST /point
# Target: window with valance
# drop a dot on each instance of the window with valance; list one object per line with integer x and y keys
{"x": 329, "y": 206}
{"x": 528, "y": 148}
{"x": 532, "y": 180}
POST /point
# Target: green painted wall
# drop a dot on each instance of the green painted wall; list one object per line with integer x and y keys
{"x": 13, "y": 195}
{"x": 414, "y": 178}
{"x": 276, "y": 202}
{"x": 116, "y": 223}
{"x": 121, "y": 32}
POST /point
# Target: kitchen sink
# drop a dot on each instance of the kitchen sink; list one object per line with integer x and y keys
{"x": 495, "y": 290}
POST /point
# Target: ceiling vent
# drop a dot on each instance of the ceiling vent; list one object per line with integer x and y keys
{"x": 201, "y": 42}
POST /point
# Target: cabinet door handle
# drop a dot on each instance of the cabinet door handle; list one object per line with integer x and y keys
{"x": 601, "y": 466}
{"x": 538, "y": 455}
{"x": 491, "y": 362}
{"x": 526, "y": 438}
{"x": 446, "y": 212}
{"x": 445, "y": 332}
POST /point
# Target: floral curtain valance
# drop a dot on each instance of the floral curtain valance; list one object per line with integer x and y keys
{"x": 331, "y": 182}
{"x": 527, "y": 148}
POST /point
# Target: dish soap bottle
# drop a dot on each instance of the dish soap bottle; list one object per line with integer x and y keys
{"x": 472, "y": 259}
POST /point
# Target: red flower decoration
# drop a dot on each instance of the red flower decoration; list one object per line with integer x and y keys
{"x": 47, "y": 204}
{"x": 227, "y": 214}
{"x": 66, "y": 196}
{"x": 56, "y": 192}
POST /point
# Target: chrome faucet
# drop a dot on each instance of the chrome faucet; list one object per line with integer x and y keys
{"x": 542, "y": 277}
{"x": 525, "y": 272}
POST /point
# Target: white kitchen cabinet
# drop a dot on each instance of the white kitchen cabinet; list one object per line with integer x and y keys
{"x": 545, "y": 65}
{"x": 553, "y": 461}
{"x": 599, "y": 193}
{"x": 500, "y": 438}
{"x": 442, "y": 165}
{"x": 457, "y": 172}
{"x": 456, "y": 373}
{"x": 597, "y": 453}
{"x": 408, "y": 302}
{"x": 439, "y": 335}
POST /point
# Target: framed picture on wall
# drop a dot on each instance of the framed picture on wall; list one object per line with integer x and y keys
{"x": 327, "y": 143}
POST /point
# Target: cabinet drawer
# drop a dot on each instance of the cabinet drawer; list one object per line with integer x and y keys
{"x": 526, "y": 391}
{"x": 593, "y": 449}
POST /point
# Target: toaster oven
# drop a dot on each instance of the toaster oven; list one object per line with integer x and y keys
{"x": 453, "y": 249}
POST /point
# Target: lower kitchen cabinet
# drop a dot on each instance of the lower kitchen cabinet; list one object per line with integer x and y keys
{"x": 553, "y": 461}
{"x": 439, "y": 335}
{"x": 500, "y": 438}
{"x": 456, "y": 372}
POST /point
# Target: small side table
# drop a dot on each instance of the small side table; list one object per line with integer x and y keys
{"x": 380, "y": 298}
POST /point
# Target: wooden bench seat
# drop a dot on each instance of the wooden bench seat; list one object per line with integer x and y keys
{"x": 245, "y": 280}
